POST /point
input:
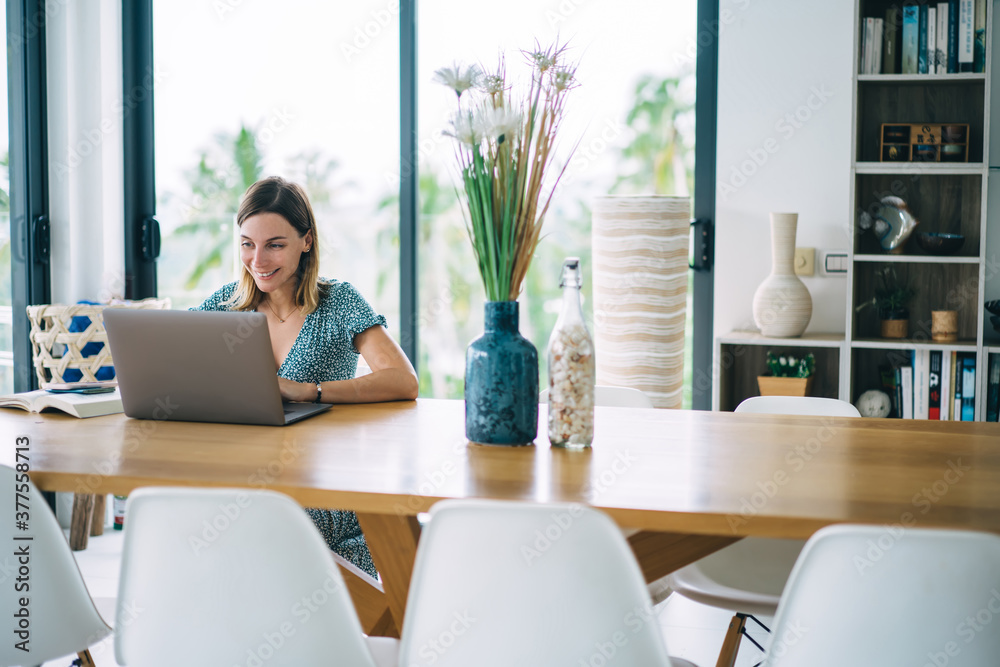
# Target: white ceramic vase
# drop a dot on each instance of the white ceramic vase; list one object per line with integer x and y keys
{"x": 782, "y": 306}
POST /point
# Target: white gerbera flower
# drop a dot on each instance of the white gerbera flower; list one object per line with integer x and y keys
{"x": 458, "y": 78}
{"x": 497, "y": 123}
{"x": 463, "y": 128}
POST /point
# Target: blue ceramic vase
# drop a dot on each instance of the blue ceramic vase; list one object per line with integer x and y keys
{"x": 501, "y": 381}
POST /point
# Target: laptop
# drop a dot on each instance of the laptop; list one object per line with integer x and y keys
{"x": 199, "y": 366}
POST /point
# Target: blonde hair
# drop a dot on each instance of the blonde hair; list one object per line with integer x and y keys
{"x": 289, "y": 200}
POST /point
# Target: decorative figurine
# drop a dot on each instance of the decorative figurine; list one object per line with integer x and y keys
{"x": 874, "y": 403}
{"x": 892, "y": 223}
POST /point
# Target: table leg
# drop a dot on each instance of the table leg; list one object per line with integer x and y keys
{"x": 392, "y": 539}
{"x": 97, "y": 522}
{"x": 660, "y": 554}
{"x": 79, "y": 527}
{"x": 370, "y": 602}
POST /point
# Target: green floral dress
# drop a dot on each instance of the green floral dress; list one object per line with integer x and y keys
{"x": 324, "y": 351}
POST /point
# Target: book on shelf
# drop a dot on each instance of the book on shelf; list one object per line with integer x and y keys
{"x": 967, "y": 410}
{"x": 956, "y": 377}
{"x": 890, "y": 385}
{"x": 890, "y": 41}
{"x": 906, "y": 391}
{"x": 867, "y": 45}
{"x": 953, "y": 36}
{"x": 77, "y": 405}
{"x": 993, "y": 389}
{"x": 941, "y": 52}
{"x": 911, "y": 38}
{"x": 947, "y": 382}
{"x": 921, "y": 39}
{"x": 979, "y": 38}
{"x": 878, "y": 26}
{"x": 966, "y": 34}
{"x": 934, "y": 386}
{"x": 921, "y": 386}
{"x": 931, "y": 39}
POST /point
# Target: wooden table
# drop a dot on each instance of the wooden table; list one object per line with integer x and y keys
{"x": 693, "y": 482}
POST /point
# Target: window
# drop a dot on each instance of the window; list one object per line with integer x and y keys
{"x": 6, "y": 294}
{"x": 633, "y": 114}
{"x": 306, "y": 91}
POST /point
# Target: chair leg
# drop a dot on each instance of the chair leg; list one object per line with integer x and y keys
{"x": 85, "y": 659}
{"x": 731, "y": 644}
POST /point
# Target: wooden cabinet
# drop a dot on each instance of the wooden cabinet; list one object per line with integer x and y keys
{"x": 741, "y": 357}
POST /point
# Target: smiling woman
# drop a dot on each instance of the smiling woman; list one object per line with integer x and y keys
{"x": 318, "y": 327}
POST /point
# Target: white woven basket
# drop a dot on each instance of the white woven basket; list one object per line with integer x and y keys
{"x": 55, "y": 348}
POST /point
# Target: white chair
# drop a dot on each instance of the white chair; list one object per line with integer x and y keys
{"x": 612, "y": 397}
{"x": 750, "y": 575}
{"x": 879, "y": 595}
{"x": 798, "y": 405}
{"x": 60, "y": 616}
{"x": 233, "y": 577}
{"x": 501, "y": 583}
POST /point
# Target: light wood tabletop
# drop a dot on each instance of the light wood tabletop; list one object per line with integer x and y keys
{"x": 691, "y": 481}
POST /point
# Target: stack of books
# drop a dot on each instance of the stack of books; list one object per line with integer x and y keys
{"x": 934, "y": 384}
{"x": 930, "y": 38}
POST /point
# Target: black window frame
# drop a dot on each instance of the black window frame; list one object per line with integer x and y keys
{"x": 29, "y": 168}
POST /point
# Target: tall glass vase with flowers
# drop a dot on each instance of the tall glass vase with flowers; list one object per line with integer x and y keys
{"x": 504, "y": 145}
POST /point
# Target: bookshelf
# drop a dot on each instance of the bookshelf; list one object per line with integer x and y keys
{"x": 945, "y": 197}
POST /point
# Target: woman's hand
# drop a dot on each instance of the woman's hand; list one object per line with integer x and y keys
{"x": 302, "y": 392}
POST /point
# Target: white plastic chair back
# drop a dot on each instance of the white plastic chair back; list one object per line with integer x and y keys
{"x": 230, "y": 577}
{"x": 612, "y": 397}
{"x": 60, "y": 618}
{"x": 876, "y": 596}
{"x": 750, "y": 575}
{"x": 500, "y": 584}
{"x": 798, "y": 405}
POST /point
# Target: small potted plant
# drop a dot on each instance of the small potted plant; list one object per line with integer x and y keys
{"x": 790, "y": 375}
{"x": 890, "y": 301}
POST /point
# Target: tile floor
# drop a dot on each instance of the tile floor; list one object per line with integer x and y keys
{"x": 692, "y": 631}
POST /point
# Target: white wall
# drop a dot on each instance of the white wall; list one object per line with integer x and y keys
{"x": 784, "y": 144}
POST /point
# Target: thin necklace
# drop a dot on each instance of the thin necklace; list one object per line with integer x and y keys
{"x": 280, "y": 318}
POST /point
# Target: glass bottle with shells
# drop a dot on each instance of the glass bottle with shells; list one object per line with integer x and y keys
{"x": 571, "y": 368}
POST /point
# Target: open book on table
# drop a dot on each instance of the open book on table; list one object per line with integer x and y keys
{"x": 78, "y": 405}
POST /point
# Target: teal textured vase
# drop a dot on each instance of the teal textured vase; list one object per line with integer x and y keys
{"x": 501, "y": 381}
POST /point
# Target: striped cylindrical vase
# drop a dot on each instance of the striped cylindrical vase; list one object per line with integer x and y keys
{"x": 640, "y": 250}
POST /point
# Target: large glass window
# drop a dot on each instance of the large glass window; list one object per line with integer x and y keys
{"x": 633, "y": 115}
{"x": 6, "y": 312}
{"x": 308, "y": 91}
